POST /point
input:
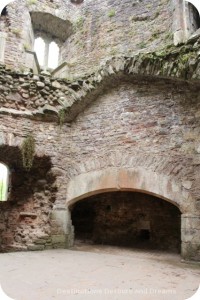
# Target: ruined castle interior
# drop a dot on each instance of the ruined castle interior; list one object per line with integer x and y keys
{"x": 100, "y": 124}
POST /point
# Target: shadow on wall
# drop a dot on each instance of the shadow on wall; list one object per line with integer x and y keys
{"x": 23, "y": 182}
{"x": 31, "y": 198}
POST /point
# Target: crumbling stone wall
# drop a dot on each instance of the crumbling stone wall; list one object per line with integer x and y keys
{"x": 100, "y": 30}
{"x": 24, "y": 218}
{"x": 138, "y": 111}
{"x": 155, "y": 118}
{"x": 146, "y": 123}
{"x": 38, "y": 96}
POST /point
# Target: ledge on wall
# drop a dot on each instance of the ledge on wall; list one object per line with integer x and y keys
{"x": 28, "y": 215}
{"x": 62, "y": 71}
{"x": 44, "y": 97}
{"x": 32, "y": 62}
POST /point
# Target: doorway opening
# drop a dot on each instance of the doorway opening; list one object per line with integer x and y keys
{"x": 4, "y": 181}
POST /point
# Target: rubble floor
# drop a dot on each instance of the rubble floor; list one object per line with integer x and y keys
{"x": 97, "y": 272}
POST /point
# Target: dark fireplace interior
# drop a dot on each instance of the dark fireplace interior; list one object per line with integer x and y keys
{"x": 127, "y": 219}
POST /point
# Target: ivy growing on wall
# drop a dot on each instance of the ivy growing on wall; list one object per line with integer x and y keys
{"x": 28, "y": 151}
{"x": 61, "y": 116}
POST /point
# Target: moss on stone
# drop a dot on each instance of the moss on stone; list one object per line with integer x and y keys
{"x": 111, "y": 13}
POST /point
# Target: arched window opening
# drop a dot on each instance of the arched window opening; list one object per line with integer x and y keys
{"x": 4, "y": 179}
{"x": 39, "y": 48}
{"x": 194, "y": 17}
{"x": 47, "y": 53}
{"x": 53, "y": 55}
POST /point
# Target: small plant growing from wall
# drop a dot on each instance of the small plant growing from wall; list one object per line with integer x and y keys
{"x": 111, "y": 13}
{"x": 28, "y": 151}
{"x": 27, "y": 46}
{"x": 17, "y": 32}
{"x": 61, "y": 117}
{"x": 79, "y": 22}
{"x": 142, "y": 45}
{"x": 31, "y": 2}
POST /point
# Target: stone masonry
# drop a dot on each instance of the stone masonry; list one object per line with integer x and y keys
{"x": 128, "y": 118}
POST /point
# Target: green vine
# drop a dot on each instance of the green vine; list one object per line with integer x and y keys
{"x": 28, "y": 151}
{"x": 61, "y": 117}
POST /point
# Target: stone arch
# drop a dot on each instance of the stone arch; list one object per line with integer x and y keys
{"x": 122, "y": 179}
{"x": 136, "y": 179}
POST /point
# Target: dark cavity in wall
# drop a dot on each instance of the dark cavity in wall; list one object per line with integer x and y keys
{"x": 127, "y": 219}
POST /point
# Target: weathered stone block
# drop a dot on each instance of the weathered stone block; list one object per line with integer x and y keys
{"x": 40, "y": 241}
{"x": 36, "y": 247}
{"x": 190, "y": 251}
{"x": 59, "y": 239}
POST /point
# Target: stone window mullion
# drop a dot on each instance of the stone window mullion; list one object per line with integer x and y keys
{"x": 2, "y": 46}
{"x": 46, "y": 53}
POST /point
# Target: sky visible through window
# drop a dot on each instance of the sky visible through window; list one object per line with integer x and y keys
{"x": 39, "y": 48}
{"x": 3, "y": 182}
{"x": 53, "y": 55}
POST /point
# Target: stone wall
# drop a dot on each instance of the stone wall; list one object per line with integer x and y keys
{"x": 100, "y": 30}
{"x": 24, "y": 218}
{"x": 127, "y": 113}
{"x": 112, "y": 27}
{"x": 40, "y": 96}
{"x": 145, "y": 119}
{"x": 149, "y": 124}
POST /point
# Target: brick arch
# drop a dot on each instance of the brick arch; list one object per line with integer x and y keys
{"x": 122, "y": 179}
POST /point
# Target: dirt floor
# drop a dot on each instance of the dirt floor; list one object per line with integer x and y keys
{"x": 97, "y": 272}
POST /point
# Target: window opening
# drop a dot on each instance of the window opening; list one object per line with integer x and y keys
{"x": 3, "y": 182}
{"x": 47, "y": 53}
{"x": 39, "y": 48}
{"x": 53, "y": 55}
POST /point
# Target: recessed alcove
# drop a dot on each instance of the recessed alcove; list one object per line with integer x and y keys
{"x": 131, "y": 219}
